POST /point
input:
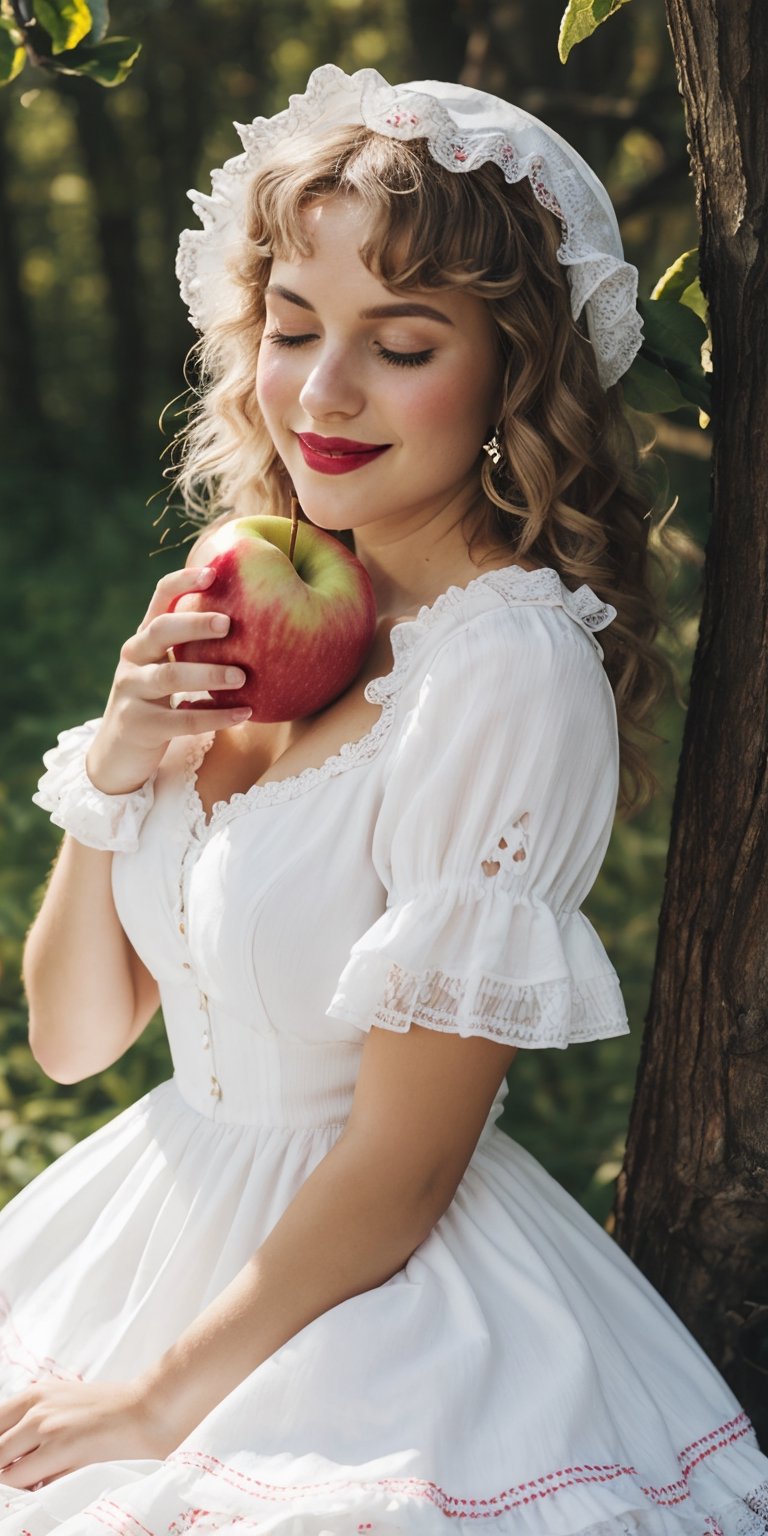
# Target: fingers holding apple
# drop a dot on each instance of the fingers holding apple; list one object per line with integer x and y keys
{"x": 300, "y": 627}
{"x": 139, "y": 720}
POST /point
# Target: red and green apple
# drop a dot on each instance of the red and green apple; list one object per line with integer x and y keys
{"x": 302, "y": 611}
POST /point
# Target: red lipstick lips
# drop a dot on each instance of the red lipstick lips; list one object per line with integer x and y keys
{"x": 337, "y": 455}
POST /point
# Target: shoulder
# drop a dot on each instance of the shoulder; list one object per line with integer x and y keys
{"x": 196, "y": 554}
{"x": 505, "y": 683}
{"x": 494, "y": 645}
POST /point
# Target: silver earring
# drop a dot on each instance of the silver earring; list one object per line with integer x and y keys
{"x": 493, "y": 448}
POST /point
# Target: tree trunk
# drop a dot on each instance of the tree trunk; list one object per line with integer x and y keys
{"x": 692, "y": 1197}
{"x": 110, "y": 169}
{"x": 22, "y": 407}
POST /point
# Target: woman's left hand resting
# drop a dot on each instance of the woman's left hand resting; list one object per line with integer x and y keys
{"x": 53, "y": 1427}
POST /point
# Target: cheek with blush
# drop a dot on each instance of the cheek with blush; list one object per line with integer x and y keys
{"x": 272, "y": 398}
{"x": 454, "y": 416}
{"x": 433, "y": 410}
{"x": 267, "y": 379}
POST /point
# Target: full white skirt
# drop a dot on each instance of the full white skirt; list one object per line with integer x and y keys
{"x": 518, "y": 1375}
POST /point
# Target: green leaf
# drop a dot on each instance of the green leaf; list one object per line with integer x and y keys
{"x": 676, "y": 279}
{"x": 694, "y": 298}
{"x": 647, "y": 386}
{"x": 12, "y": 55}
{"x": 674, "y": 336}
{"x": 99, "y": 10}
{"x": 677, "y": 330}
{"x": 580, "y": 19}
{"x": 108, "y": 63}
{"x": 667, "y": 374}
{"x": 681, "y": 283}
{"x": 67, "y": 22}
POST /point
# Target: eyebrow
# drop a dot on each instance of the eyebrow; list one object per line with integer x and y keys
{"x": 378, "y": 312}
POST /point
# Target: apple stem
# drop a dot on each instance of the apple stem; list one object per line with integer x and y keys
{"x": 294, "y": 526}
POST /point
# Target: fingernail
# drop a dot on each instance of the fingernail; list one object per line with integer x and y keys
{"x": 205, "y": 573}
{"x": 220, "y": 623}
{"x": 240, "y": 714}
{"x": 234, "y": 675}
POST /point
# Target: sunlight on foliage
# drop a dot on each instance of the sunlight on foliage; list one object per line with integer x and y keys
{"x": 69, "y": 188}
{"x": 370, "y": 45}
{"x": 292, "y": 54}
{"x": 580, "y": 19}
{"x": 67, "y": 22}
{"x": 38, "y": 271}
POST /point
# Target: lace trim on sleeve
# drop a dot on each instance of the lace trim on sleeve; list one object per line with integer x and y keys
{"x": 111, "y": 823}
{"x": 546, "y": 1013}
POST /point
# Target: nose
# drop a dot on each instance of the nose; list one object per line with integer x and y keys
{"x": 331, "y": 388}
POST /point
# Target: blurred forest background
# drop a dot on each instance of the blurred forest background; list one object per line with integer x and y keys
{"x": 94, "y": 337}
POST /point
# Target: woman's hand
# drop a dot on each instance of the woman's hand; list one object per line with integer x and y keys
{"x": 138, "y": 721}
{"x": 55, "y": 1426}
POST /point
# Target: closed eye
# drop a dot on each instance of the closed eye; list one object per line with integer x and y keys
{"x": 397, "y": 359}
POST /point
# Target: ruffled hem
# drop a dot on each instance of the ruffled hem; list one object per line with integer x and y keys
{"x": 551, "y": 1013}
{"x": 341, "y": 1432}
{"x": 111, "y": 823}
{"x": 389, "y": 981}
{"x": 220, "y": 1500}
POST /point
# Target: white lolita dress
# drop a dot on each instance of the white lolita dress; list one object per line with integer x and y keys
{"x": 518, "y": 1375}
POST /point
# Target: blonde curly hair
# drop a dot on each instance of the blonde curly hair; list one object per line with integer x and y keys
{"x": 570, "y": 490}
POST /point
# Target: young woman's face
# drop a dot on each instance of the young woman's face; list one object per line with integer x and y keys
{"x": 342, "y": 365}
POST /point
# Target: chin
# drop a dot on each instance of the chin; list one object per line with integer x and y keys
{"x": 325, "y": 512}
{"x": 332, "y": 520}
{"x": 337, "y": 527}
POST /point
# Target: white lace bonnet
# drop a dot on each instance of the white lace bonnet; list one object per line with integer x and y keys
{"x": 463, "y": 128}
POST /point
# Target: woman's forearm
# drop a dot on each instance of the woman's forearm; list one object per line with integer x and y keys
{"x": 351, "y": 1226}
{"x": 76, "y": 969}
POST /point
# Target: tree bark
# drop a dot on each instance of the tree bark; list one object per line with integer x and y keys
{"x": 22, "y": 405}
{"x": 110, "y": 169}
{"x": 692, "y": 1197}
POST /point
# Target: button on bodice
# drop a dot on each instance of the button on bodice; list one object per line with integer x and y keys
{"x": 255, "y": 1078}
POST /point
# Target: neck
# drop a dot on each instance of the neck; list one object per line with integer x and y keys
{"x": 411, "y": 566}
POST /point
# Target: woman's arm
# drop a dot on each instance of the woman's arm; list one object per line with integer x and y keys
{"x": 421, "y": 1101}
{"x": 89, "y": 995}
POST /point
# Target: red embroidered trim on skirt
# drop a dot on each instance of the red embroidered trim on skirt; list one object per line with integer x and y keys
{"x": 15, "y": 1352}
{"x": 522, "y": 1493}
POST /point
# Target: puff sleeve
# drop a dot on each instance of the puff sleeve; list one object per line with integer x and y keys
{"x": 107, "y": 822}
{"x": 497, "y": 811}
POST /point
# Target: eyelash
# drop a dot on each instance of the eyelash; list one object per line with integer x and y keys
{"x": 398, "y": 359}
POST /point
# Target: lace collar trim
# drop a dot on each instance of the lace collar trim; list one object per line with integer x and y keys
{"x": 512, "y": 582}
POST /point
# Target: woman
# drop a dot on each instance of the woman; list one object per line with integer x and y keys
{"x": 308, "y": 1285}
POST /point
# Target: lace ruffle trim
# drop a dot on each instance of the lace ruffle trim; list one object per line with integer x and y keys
{"x": 111, "y": 823}
{"x": 554, "y": 1013}
{"x": 515, "y": 585}
{"x": 601, "y": 281}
